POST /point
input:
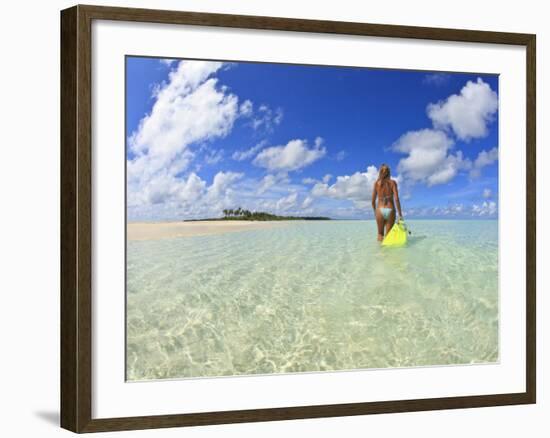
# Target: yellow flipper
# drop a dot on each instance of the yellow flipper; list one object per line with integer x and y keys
{"x": 397, "y": 236}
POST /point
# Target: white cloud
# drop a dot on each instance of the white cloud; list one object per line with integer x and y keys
{"x": 169, "y": 197}
{"x": 295, "y": 155}
{"x": 485, "y": 209}
{"x": 449, "y": 169}
{"x": 426, "y": 140}
{"x": 164, "y": 187}
{"x": 341, "y": 155}
{"x": 357, "y": 187}
{"x": 455, "y": 209}
{"x": 248, "y": 153}
{"x": 428, "y": 157}
{"x": 168, "y": 61}
{"x": 287, "y": 202}
{"x": 246, "y": 108}
{"x": 271, "y": 180}
{"x": 309, "y": 180}
{"x": 222, "y": 183}
{"x": 189, "y": 108}
{"x": 278, "y": 118}
{"x": 214, "y": 157}
{"x": 265, "y": 119}
{"x": 467, "y": 113}
{"x": 326, "y": 179}
{"x": 306, "y": 203}
{"x": 487, "y": 193}
{"x": 485, "y": 158}
{"x": 488, "y": 208}
{"x": 436, "y": 79}
{"x": 436, "y": 210}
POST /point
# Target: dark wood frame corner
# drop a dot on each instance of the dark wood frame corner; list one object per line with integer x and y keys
{"x": 76, "y": 218}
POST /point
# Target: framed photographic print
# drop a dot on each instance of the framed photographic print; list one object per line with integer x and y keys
{"x": 269, "y": 218}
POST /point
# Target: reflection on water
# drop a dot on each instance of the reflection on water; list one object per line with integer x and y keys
{"x": 311, "y": 297}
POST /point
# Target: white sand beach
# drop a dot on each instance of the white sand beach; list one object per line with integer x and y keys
{"x": 164, "y": 230}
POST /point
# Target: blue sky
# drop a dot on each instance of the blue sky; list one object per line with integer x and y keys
{"x": 308, "y": 140}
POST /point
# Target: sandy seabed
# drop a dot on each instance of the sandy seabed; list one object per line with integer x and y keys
{"x": 166, "y": 230}
{"x": 309, "y": 296}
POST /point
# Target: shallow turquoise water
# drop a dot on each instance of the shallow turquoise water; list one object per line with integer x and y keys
{"x": 312, "y": 296}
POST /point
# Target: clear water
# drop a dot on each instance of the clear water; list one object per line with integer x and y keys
{"x": 312, "y": 296}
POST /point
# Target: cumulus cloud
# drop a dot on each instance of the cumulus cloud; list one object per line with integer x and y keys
{"x": 309, "y": 180}
{"x": 214, "y": 157}
{"x": 246, "y": 108}
{"x": 189, "y": 108}
{"x": 296, "y": 154}
{"x": 428, "y": 159}
{"x": 168, "y": 61}
{"x": 265, "y": 118}
{"x": 163, "y": 187}
{"x": 306, "y": 203}
{"x": 487, "y": 208}
{"x": 325, "y": 179}
{"x": 449, "y": 169}
{"x": 484, "y": 158}
{"x": 287, "y": 202}
{"x": 487, "y": 193}
{"x": 167, "y": 196}
{"x": 222, "y": 183}
{"x": 467, "y": 114}
{"x": 356, "y": 187}
{"x": 270, "y": 180}
{"x": 454, "y": 209}
{"x": 246, "y": 154}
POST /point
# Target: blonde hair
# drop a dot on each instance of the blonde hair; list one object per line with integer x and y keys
{"x": 384, "y": 172}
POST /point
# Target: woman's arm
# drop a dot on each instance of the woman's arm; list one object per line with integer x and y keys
{"x": 374, "y": 194}
{"x": 397, "y": 201}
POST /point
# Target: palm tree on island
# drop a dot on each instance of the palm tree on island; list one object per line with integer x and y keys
{"x": 247, "y": 215}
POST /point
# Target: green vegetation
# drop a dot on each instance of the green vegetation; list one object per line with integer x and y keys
{"x": 239, "y": 214}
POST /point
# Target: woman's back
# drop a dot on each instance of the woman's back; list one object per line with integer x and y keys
{"x": 384, "y": 189}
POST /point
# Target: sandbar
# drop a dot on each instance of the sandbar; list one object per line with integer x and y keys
{"x": 167, "y": 230}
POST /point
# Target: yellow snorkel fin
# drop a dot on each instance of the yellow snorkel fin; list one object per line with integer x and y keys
{"x": 397, "y": 236}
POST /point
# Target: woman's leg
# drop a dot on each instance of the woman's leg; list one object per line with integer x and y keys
{"x": 390, "y": 221}
{"x": 380, "y": 224}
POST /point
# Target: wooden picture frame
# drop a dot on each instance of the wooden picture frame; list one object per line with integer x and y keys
{"x": 76, "y": 218}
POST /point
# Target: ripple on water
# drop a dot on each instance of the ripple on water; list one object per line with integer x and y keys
{"x": 312, "y": 296}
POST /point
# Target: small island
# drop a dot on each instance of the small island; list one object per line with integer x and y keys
{"x": 233, "y": 220}
{"x": 239, "y": 214}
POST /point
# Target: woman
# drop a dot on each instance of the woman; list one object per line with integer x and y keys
{"x": 385, "y": 189}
